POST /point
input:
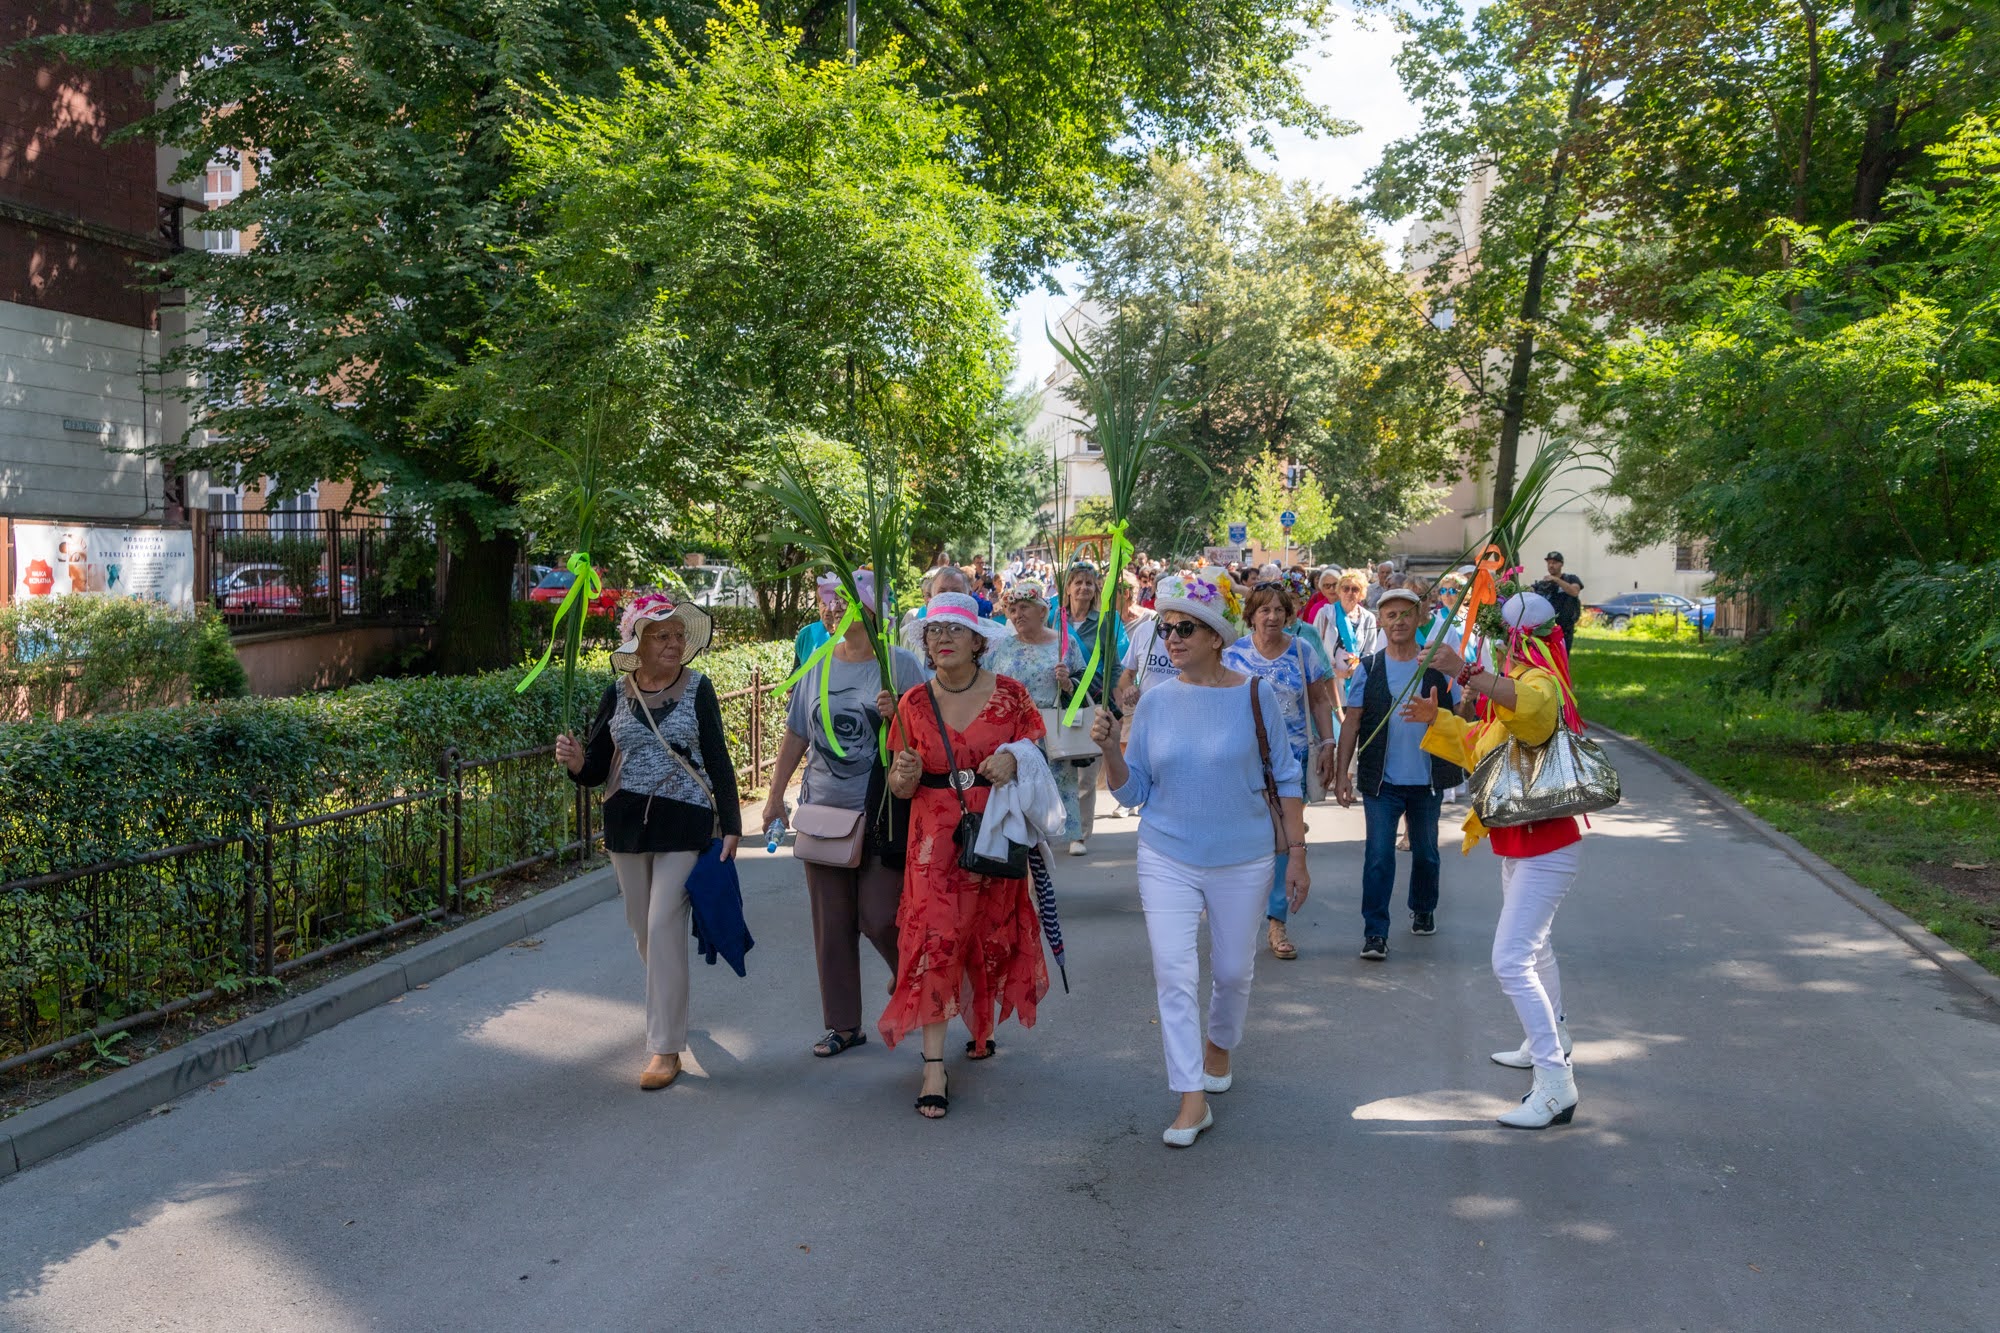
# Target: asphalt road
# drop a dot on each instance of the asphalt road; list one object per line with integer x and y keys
{"x": 1789, "y": 1120}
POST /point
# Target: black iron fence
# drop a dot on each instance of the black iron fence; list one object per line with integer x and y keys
{"x": 90, "y": 952}
{"x": 275, "y": 569}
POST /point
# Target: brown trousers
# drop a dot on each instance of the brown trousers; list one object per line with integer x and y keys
{"x": 846, "y": 905}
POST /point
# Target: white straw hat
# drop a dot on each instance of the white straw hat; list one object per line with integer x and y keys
{"x": 656, "y": 606}
{"x": 1197, "y": 597}
{"x": 957, "y": 608}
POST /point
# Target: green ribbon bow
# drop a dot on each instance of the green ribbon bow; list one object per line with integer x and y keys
{"x": 584, "y": 584}
{"x": 1121, "y": 547}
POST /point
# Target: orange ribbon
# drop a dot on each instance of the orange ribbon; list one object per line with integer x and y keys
{"x": 1483, "y": 592}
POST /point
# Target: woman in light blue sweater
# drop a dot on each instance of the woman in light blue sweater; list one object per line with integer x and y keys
{"x": 1206, "y": 839}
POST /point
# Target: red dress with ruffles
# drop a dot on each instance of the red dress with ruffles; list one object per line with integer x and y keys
{"x": 968, "y": 944}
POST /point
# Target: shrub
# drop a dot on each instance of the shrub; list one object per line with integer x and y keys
{"x": 1663, "y": 628}
{"x": 82, "y": 791}
{"x": 86, "y": 655}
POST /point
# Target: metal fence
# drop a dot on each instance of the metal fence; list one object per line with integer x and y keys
{"x": 90, "y": 952}
{"x": 278, "y": 569}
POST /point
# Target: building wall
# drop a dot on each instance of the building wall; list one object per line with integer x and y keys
{"x": 72, "y": 399}
{"x": 76, "y": 214}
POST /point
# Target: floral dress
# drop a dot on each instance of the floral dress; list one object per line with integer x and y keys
{"x": 967, "y": 944}
{"x": 1034, "y": 665}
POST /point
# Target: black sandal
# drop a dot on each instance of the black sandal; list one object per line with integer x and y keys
{"x": 940, "y": 1102}
{"x": 834, "y": 1042}
{"x": 972, "y": 1051}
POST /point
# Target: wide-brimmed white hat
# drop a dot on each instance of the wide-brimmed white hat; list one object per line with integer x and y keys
{"x": 651, "y": 607}
{"x": 957, "y": 608}
{"x": 1197, "y": 597}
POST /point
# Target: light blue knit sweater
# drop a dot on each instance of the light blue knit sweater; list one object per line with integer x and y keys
{"x": 1194, "y": 769}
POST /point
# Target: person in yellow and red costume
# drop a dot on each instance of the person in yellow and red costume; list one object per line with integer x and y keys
{"x": 1523, "y": 692}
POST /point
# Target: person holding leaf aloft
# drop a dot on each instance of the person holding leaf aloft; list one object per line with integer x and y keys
{"x": 969, "y": 945}
{"x": 1527, "y": 698}
{"x": 658, "y": 743}
{"x": 837, "y": 710}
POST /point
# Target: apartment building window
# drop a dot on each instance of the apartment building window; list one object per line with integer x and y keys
{"x": 222, "y": 184}
{"x": 294, "y": 513}
{"x": 1691, "y": 556}
{"x": 225, "y": 506}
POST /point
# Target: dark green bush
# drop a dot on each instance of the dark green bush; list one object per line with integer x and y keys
{"x": 89, "y": 790}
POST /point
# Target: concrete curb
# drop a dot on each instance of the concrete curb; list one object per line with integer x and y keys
{"x": 1955, "y": 963}
{"x": 55, "y": 1126}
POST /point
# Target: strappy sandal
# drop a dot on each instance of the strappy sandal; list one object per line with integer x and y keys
{"x": 972, "y": 1051}
{"x": 834, "y": 1042}
{"x": 936, "y": 1101}
{"x": 1282, "y": 947}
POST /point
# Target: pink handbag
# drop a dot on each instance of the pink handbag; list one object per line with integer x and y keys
{"x": 827, "y": 835}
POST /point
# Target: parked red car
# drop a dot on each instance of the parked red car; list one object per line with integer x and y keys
{"x": 556, "y": 583}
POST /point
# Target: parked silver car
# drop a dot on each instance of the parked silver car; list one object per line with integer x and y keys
{"x": 718, "y": 585}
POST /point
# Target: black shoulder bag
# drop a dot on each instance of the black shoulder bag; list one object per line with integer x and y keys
{"x": 966, "y": 835}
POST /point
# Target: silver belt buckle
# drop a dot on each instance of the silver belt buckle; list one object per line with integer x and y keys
{"x": 962, "y": 779}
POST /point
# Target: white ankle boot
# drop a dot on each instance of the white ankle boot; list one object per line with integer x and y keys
{"x": 1519, "y": 1058}
{"x": 1552, "y": 1101}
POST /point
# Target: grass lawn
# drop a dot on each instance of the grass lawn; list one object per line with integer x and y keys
{"x": 1912, "y": 820}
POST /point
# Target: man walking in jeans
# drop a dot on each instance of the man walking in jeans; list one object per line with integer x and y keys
{"x": 1397, "y": 780}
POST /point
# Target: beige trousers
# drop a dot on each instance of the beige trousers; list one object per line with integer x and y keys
{"x": 654, "y": 885}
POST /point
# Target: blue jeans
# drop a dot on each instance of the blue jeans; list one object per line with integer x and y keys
{"x": 1384, "y": 811}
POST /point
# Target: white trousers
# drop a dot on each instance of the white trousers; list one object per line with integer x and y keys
{"x": 1524, "y": 955}
{"x": 1174, "y": 896}
{"x": 654, "y": 885}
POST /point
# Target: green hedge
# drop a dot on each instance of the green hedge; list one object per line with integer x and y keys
{"x": 84, "y": 655}
{"x": 85, "y": 791}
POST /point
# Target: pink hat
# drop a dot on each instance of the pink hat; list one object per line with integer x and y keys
{"x": 957, "y": 608}
{"x": 655, "y": 606}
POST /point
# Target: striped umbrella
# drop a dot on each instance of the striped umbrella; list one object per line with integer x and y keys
{"x": 1045, "y": 902}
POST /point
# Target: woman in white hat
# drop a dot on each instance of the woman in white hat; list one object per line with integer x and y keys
{"x": 1526, "y": 698}
{"x": 658, "y": 744}
{"x": 968, "y": 945}
{"x": 1195, "y": 766}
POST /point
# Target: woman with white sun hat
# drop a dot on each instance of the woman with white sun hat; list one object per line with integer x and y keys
{"x": 1196, "y": 765}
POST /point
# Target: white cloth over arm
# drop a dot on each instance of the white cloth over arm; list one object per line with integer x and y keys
{"x": 1026, "y": 810}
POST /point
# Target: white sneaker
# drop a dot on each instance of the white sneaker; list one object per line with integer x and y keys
{"x": 1184, "y": 1138}
{"x": 1552, "y": 1101}
{"x": 1519, "y": 1058}
{"x": 1077, "y": 848}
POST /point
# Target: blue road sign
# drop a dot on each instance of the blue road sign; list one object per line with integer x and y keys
{"x": 1286, "y": 519}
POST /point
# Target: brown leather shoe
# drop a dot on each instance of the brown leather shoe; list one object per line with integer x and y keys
{"x": 652, "y": 1080}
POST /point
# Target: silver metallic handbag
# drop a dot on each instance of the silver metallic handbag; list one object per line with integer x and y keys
{"x": 1520, "y": 784}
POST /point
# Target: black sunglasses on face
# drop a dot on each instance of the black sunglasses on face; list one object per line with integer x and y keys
{"x": 1182, "y": 628}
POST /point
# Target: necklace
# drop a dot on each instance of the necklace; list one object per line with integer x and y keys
{"x": 963, "y": 688}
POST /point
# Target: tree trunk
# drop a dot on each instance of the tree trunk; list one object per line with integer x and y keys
{"x": 475, "y": 623}
{"x": 1513, "y": 408}
{"x": 1881, "y": 141}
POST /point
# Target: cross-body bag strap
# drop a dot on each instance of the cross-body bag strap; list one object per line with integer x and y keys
{"x": 1263, "y": 744}
{"x": 951, "y": 760}
{"x": 672, "y": 753}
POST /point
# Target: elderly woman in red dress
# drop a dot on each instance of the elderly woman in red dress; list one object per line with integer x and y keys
{"x": 968, "y": 945}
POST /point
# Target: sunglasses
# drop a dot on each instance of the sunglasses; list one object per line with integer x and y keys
{"x": 1268, "y": 584}
{"x": 1178, "y": 628}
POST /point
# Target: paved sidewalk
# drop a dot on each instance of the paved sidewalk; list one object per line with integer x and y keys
{"x": 1790, "y": 1120}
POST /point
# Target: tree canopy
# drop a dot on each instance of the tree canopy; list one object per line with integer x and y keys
{"x": 1286, "y": 333}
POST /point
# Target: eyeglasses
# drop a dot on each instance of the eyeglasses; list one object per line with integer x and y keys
{"x": 947, "y": 631}
{"x": 1178, "y": 628}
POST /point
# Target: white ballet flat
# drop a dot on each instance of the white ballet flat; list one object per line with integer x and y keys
{"x": 1216, "y": 1082}
{"x": 1184, "y": 1138}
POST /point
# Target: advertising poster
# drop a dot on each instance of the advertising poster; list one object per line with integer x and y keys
{"x": 68, "y": 559}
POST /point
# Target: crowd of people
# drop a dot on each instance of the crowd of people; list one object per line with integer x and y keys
{"x": 1216, "y": 702}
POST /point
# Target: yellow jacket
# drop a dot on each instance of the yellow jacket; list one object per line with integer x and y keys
{"x": 1533, "y": 719}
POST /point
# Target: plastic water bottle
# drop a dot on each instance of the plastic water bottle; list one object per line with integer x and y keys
{"x": 772, "y": 834}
